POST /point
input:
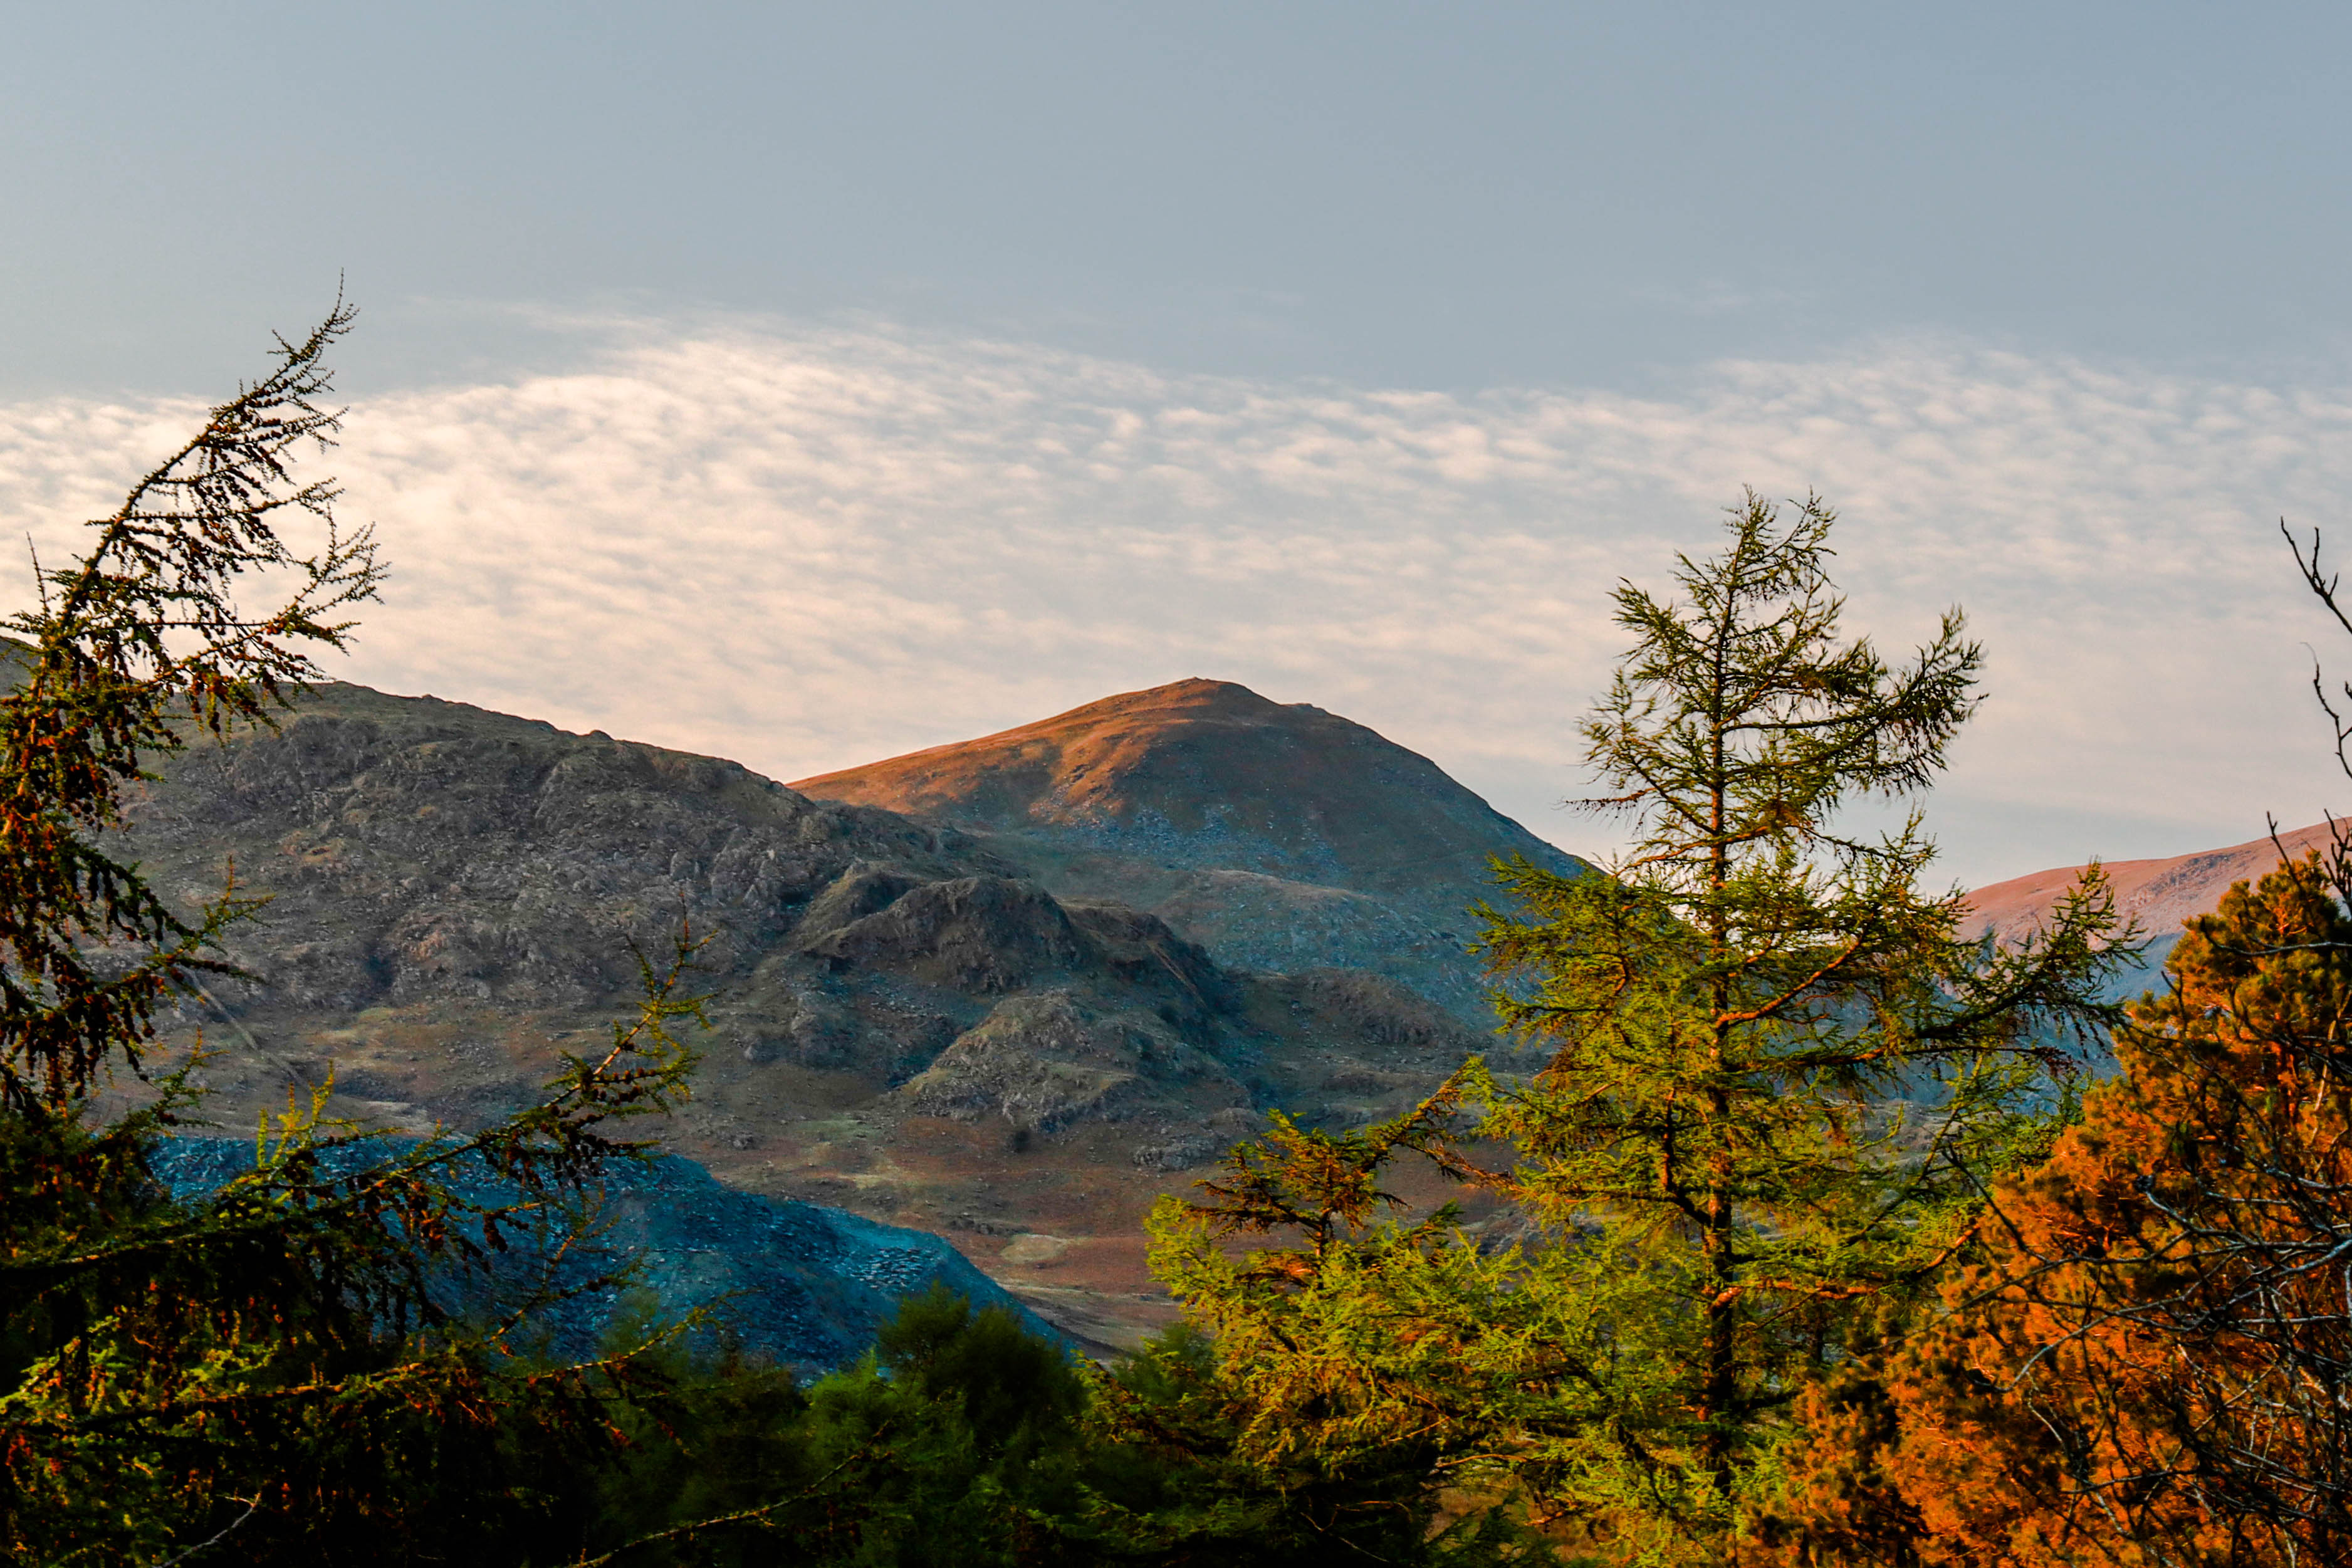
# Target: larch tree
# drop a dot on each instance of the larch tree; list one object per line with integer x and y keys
{"x": 297, "y": 1367}
{"x": 2148, "y": 1363}
{"x": 1776, "y": 1079}
{"x": 1778, "y": 1074}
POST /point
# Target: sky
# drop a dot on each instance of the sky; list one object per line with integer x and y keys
{"x": 809, "y": 383}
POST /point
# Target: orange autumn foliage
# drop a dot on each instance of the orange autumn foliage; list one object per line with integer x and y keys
{"x": 2150, "y": 1361}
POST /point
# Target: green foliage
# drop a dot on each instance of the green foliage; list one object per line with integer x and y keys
{"x": 1778, "y": 1083}
{"x": 143, "y": 630}
{"x": 1778, "y": 1078}
{"x": 1220, "y": 1492}
{"x": 312, "y": 1361}
{"x": 337, "y": 1356}
{"x": 1377, "y": 1363}
{"x": 962, "y": 1440}
{"x": 972, "y": 1424}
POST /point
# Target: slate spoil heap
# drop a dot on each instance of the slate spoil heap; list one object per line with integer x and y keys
{"x": 798, "y": 1283}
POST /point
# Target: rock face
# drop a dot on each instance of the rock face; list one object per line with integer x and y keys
{"x": 426, "y": 849}
{"x": 1046, "y": 1060}
{"x": 908, "y": 1021}
{"x": 1277, "y": 836}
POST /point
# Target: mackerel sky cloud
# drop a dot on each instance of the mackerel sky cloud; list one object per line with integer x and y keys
{"x": 807, "y": 547}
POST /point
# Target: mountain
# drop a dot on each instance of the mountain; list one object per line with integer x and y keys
{"x": 911, "y": 1021}
{"x": 2159, "y": 894}
{"x": 1276, "y": 836}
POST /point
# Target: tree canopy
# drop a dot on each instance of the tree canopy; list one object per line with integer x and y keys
{"x": 303, "y": 1357}
{"x": 1776, "y": 1079}
{"x": 2146, "y": 1359}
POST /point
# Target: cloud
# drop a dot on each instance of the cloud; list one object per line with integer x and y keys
{"x": 806, "y": 547}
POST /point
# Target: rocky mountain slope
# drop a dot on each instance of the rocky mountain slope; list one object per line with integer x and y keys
{"x": 1277, "y": 836}
{"x": 910, "y": 1021}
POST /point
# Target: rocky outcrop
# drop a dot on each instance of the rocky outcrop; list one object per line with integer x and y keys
{"x": 1046, "y": 1060}
{"x": 418, "y": 850}
{"x": 1348, "y": 1002}
{"x": 987, "y": 935}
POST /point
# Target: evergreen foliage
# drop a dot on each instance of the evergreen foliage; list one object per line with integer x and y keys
{"x": 960, "y": 1441}
{"x": 1779, "y": 1078}
{"x": 1809, "y": 1268}
{"x": 1379, "y": 1378}
{"x": 1778, "y": 1082}
{"x": 296, "y": 1362}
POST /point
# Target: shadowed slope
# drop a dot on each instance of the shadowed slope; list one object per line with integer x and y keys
{"x": 805, "y": 1284}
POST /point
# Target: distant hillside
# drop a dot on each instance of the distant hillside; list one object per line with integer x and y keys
{"x": 2159, "y": 894}
{"x": 909, "y": 1023}
{"x": 1279, "y": 836}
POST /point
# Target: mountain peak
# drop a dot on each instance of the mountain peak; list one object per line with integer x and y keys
{"x": 1193, "y": 693}
{"x": 1194, "y": 699}
{"x": 1208, "y": 773}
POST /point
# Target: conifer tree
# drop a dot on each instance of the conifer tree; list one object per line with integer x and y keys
{"x": 1779, "y": 1075}
{"x": 2147, "y": 1361}
{"x": 303, "y": 1365}
{"x": 1777, "y": 1080}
